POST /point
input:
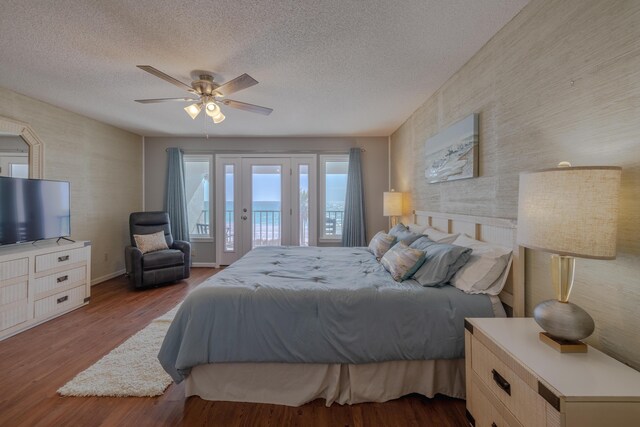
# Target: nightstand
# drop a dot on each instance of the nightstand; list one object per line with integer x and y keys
{"x": 513, "y": 379}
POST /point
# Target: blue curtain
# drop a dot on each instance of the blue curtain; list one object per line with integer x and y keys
{"x": 353, "y": 229}
{"x": 176, "y": 200}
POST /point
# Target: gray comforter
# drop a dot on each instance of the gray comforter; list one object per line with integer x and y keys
{"x": 315, "y": 305}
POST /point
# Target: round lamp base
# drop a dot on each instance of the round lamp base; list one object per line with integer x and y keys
{"x": 563, "y": 320}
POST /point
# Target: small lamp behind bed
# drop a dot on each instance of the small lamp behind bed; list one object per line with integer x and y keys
{"x": 392, "y": 205}
{"x": 569, "y": 212}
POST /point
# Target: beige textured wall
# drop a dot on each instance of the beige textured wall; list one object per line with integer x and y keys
{"x": 102, "y": 163}
{"x": 561, "y": 81}
{"x": 374, "y": 169}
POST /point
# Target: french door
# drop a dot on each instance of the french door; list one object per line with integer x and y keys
{"x": 264, "y": 200}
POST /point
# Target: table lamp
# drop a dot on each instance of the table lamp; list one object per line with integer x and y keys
{"x": 569, "y": 212}
{"x": 392, "y": 205}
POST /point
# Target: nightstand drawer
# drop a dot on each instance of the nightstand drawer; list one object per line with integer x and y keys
{"x": 517, "y": 396}
{"x": 486, "y": 410}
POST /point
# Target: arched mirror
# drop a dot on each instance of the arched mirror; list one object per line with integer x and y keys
{"x": 20, "y": 150}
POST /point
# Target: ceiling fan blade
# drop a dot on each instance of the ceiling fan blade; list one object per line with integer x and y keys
{"x": 153, "y": 101}
{"x": 149, "y": 69}
{"x": 247, "y": 107}
{"x": 241, "y": 82}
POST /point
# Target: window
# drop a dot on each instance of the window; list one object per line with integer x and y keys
{"x": 333, "y": 192}
{"x": 197, "y": 177}
{"x": 303, "y": 204}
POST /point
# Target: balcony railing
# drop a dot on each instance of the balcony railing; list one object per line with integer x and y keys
{"x": 266, "y": 227}
{"x": 228, "y": 230}
{"x": 333, "y": 223}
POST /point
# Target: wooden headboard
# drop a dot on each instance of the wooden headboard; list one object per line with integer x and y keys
{"x": 500, "y": 231}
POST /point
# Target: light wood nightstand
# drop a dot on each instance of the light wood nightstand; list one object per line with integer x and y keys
{"x": 513, "y": 379}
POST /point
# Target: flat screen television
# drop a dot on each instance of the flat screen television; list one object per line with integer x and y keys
{"x": 33, "y": 209}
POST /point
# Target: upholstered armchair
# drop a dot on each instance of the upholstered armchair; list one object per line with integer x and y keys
{"x": 155, "y": 268}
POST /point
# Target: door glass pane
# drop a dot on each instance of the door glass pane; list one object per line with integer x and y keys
{"x": 229, "y": 231}
{"x": 335, "y": 196}
{"x": 304, "y": 204}
{"x": 196, "y": 176}
{"x": 266, "y": 205}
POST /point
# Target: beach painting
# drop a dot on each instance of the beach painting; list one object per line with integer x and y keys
{"x": 453, "y": 153}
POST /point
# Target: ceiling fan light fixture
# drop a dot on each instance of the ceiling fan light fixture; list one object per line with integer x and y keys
{"x": 218, "y": 118}
{"x": 211, "y": 108}
{"x": 193, "y": 110}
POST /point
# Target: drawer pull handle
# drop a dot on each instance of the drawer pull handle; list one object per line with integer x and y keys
{"x": 63, "y": 299}
{"x": 494, "y": 425}
{"x": 62, "y": 278}
{"x": 63, "y": 258}
{"x": 502, "y": 383}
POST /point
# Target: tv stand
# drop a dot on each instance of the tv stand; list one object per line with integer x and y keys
{"x": 38, "y": 283}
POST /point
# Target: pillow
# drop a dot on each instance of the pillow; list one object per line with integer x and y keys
{"x": 403, "y": 234}
{"x": 402, "y": 261}
{"x": 398, "y": 228}
{"x": 439, "y": 236}
{"x": 417, "y": 229}
{"x": 441, "y": 262}
{"x": 486, "y": 265}
{"x": 381, "y": 243}
{"x": 150, "y": 242}
{"x": 422, "y": 243}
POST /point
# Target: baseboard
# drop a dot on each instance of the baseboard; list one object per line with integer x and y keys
{"x": 107, "y": 277}
{"x": 205, "y": 264}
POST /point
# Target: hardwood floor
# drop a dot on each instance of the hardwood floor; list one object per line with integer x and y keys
{"x": 35, "y": 363}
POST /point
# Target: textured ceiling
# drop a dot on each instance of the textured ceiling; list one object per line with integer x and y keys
{"x": 326, "y": 67}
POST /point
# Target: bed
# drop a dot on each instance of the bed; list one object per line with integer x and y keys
{"x": 289, "y": 325}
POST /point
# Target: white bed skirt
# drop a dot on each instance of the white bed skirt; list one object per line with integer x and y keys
{"x": 294, "y": 384}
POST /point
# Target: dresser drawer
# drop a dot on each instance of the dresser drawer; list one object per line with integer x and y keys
{"x": 59, "y": 302}
{"x": 13, "y": 292}
{"x": 512, "y": 391}
{"x": 484, "y": 412}
{"x": 59, "y": 280}
{"x": 14, "y": 268}
{"x": 59, "y": 259}
{"x": 13, "y": 315}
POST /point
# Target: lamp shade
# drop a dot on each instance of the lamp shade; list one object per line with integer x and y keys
{"x": 392, "y": 203}
{"x": 570, "y": 211}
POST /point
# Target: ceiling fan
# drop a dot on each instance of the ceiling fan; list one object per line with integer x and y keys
{"x": 208, "y": 94}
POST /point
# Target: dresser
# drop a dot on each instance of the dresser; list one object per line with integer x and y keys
{"x": 41, "y": 281}
{"x": 514, "y": 379}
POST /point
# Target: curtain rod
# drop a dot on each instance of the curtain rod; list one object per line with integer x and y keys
{"x": 226, "y": 151}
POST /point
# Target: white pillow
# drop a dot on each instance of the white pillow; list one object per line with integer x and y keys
{"x": 486, "y": 271}
{"x": 417, "y": 228}
{"x": 440, "y": 236}
{"x": 150, "y": 242}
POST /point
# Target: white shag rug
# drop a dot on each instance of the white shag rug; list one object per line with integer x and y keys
{"x": 131, "y": 369}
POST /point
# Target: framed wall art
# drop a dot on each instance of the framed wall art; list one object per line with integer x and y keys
{"x": 453, "y": 153}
